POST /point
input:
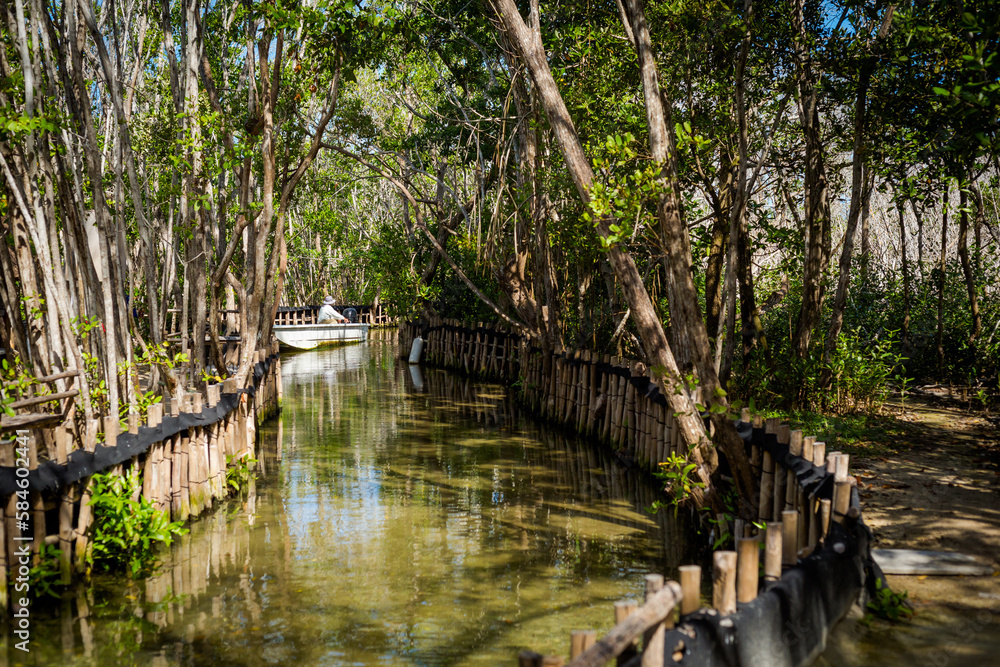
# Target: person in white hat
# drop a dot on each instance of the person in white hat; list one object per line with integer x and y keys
{"x": 327, "y": 313}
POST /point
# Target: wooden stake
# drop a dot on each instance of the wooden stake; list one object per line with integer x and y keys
{"x": 653, "y": 650}
{"x": 819, "y": 454}
{"x": 841, "y": 498}
{"x": 724, "y": 581}
{"x": 67, "y": 498}
{"x": 758, "y": 422}
{"x": 154, "y": 415}
{"x": 804, "y": 505}
{"x": 773, "y": 550}
{"x": 780, "y": 489}
{"x": 824, "y": 513}
{"x": 843, "y": 465}
{"x": 624, "y": 609}
{"x": 814, "y": 523}
{"x": 747, "y": 566}
{"x": 110, "y": 431}
{"x": 791, "y": 489}
{"x": 580, "y": 641}
{"x": 807, "y": 447}
{"x": 789, "y": 537}
{"x": 83, "y": 526}
{"x": 213, "y": 395}
{"x": 766, "y": 487}
{"x": 795, "y": 443}
{"x": 691, "y": 588}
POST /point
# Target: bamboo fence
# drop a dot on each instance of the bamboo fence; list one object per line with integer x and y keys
{"x": 182, "y": 475}
{"x": 802, "y": 491}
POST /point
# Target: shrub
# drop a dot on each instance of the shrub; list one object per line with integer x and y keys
{"x": 127, "y": 532}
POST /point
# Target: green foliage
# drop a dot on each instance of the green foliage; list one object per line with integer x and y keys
{"x": 239, "y": 472}
{"x": 888, "y": 605}
{"x": 959, "y": 48}
{"x": 861, "y": 371}
{"x": 627, "y": 196}
{"x": 44, "y": 578}
{"x": 675, "y": 473}
{"x": 128, "y": 530}
{"x": 723, "y": 537}
{"x": 153, "y": 355}
{"x": 211, "y": 378}
{"x": 15, "y": 382}
{"x": 160, "y": 355}
{"x": 83, "y": 327}
{"x": 722, "y": 521}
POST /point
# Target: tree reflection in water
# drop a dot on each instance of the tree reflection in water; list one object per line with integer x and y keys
{"x": 397, "y": 519}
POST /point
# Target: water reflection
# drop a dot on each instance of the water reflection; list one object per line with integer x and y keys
{"x": 399, "y": 519}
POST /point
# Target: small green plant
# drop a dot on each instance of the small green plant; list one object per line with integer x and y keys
{"x": 127, "y": 532}
{"x": 678, "y": 483}
{"x": 888, "y": 605}
{"x": 239, "y": 472}
{"x": 15, "y": 382}
{"x": 982, "y": 398}
{"x": 142, "y": 402}
{"x": 211, "y": 378}
{"x": 721, "y": 521}
{"x": 44, "y": 579}
{"x": 722, "y": 534}
{"x": 902, "y": 381}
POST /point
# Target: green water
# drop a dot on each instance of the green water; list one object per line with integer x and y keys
{"x": 396, "y": 520}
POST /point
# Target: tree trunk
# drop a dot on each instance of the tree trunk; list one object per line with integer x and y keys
{"x": 198, "y": 252}
{"x": 689, "y": 337}
{"x": 906, "y": 277}
{"x": 740, "y": 250}
{"x": 942, "y": 266}
{"x": 920, "y": 237}
{"x": 980, "y": 221}
{"x": 748, "y": 298}
{"x": 719, "y": 243}
{"x": 817, "y": 205}
{"x": 651, "y": 332}
{"x": 963, "y": 257}
{"x": 866, "y": 245}
{"x": 859, "y": 196}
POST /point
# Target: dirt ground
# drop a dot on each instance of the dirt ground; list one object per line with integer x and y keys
{"x": 935, "y": 486}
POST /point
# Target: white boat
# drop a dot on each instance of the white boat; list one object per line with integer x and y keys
{"x": 309, "y": 336}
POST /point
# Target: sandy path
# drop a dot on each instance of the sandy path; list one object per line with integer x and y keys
{"x": 937, "y": 487}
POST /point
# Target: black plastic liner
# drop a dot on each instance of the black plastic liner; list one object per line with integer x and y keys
{"x": 51, "y": 476}
{"x": 787, "y": 625}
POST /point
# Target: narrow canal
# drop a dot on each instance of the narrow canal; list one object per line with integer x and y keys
{"x": 399, "y": 519}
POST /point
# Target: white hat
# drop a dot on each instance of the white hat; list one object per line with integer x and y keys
{"x": 328, "y": 301}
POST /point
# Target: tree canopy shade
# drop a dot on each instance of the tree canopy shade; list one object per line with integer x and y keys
{"x": 780, "y": 200}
